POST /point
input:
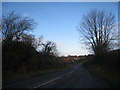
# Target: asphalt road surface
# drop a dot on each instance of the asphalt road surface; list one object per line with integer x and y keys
{"x": 74, "y": 77}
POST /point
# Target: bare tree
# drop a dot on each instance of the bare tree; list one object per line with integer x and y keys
{"x": 98, "y": 30}
{"x": 28, "y": 39}
{"x": 49, "y": 48}
{"x": 38, "y": 43}
{"x": 14, "y": 25}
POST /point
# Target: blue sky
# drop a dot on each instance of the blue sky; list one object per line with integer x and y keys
{"x": 57, "y": 21}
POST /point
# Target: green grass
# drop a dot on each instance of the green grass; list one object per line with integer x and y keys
{"x": 112, "y": 77}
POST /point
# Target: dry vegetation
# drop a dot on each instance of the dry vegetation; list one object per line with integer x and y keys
{"x": 106, "y": 67}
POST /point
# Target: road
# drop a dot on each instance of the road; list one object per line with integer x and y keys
{"x": 74, "y": 77}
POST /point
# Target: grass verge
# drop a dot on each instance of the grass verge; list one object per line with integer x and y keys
{"x": 112, "y": 77}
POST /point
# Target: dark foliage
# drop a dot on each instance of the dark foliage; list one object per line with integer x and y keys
{"x": 16, "y": 54}
{"x": 19, "y": 58}
{"x": 19, "y": 50}
{"x": 109, "y": 61}
{"x": 106, "y": 67}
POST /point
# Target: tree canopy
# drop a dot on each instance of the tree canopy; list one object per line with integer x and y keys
{"x": 14, "y": 26}
{"x": 97, "y": 28}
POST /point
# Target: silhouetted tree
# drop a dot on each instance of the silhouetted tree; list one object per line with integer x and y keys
{"x": 38, "y": 42}
{"x": 20, "y": 49}
{"x": 98, "y": 30}
{"x": 17, "y": 45}
{"x": 49, "y": 48}
{"x": 14, "y": 25}
{"x": 28, "y": 39}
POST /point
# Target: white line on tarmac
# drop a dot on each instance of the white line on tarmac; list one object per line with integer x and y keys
{"x": 52, "y": 80}
{"x": 47, "y": 82}
{"x": 68, "y": 73}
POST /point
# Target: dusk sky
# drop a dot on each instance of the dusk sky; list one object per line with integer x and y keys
{"x": 57, "y": 21}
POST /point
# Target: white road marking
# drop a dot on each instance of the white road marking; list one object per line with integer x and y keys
{"x": 52, "y": 80}
{"x": 68, "y": 73}
{"x": 47, "y": 82}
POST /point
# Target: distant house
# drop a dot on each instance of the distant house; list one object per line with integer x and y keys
{"x": 72, "y": 59}
{"x": 72, "y": 56}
